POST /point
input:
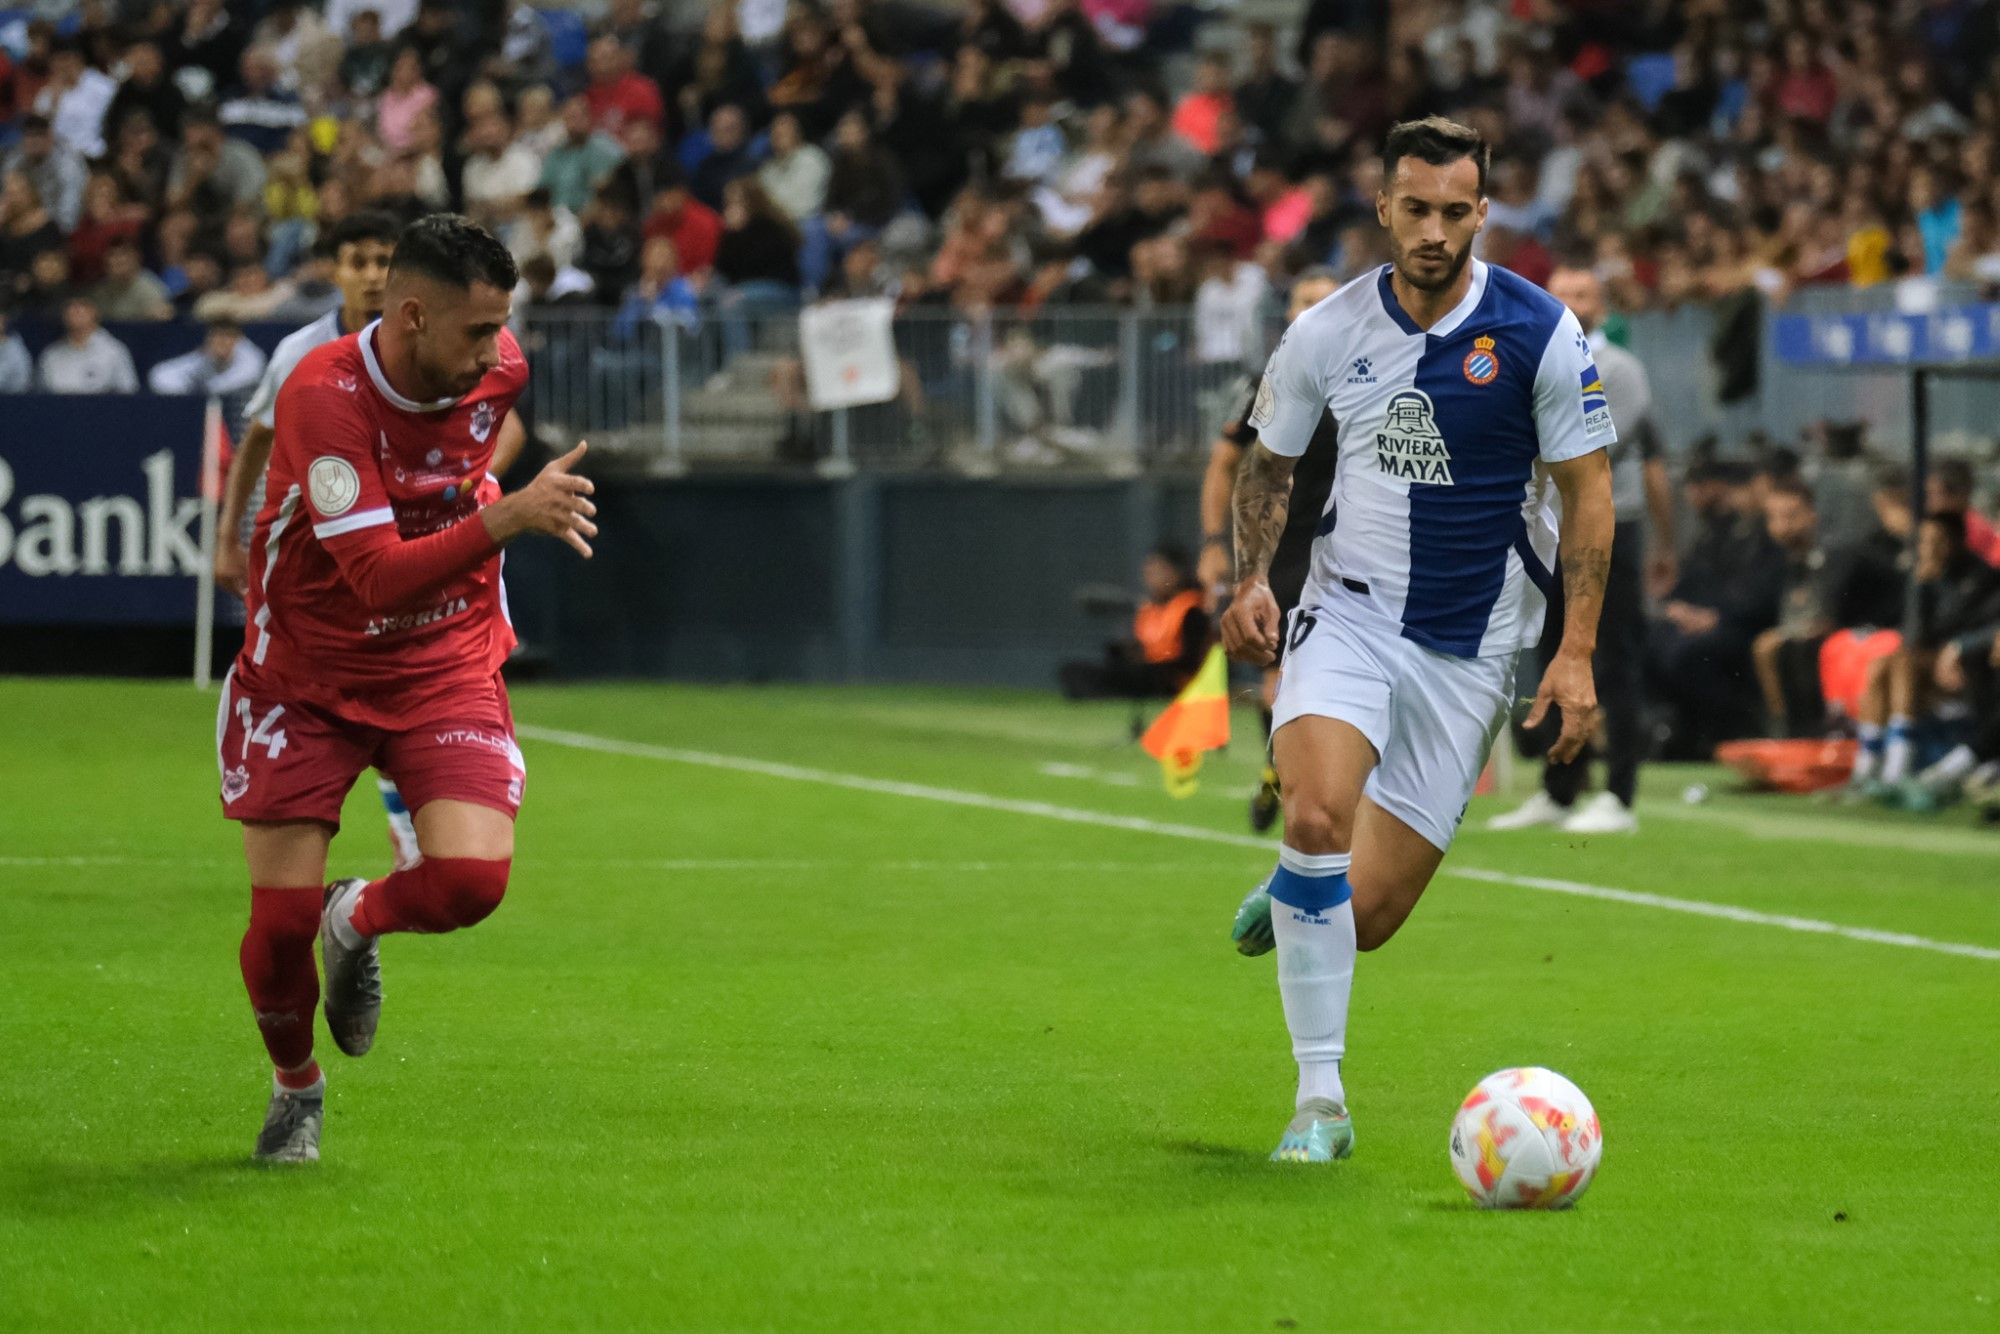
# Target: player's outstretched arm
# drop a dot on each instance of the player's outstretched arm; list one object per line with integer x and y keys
{"x": 232, "y": 561}
{"x": 387, "y": 573}
{"x": 557, "y": 502}
{"x": 1588, "y": 523}
{"x": 1263, "y": 491}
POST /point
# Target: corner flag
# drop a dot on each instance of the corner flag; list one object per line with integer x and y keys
{"x": 1197, "y": 721}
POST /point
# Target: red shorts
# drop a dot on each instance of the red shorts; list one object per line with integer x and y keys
{"x": 286, "y": 760}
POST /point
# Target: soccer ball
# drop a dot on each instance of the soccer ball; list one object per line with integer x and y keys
{"x": 1526, "y": 1139}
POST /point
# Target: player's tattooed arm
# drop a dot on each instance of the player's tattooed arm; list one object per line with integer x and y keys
{"x": 1585, "y": 572}
{"x": 1263, "y": 490}
{"x": 1262, "y": 495}
{"x": 1569, "y": 684}
{"x": 1588, "y": 523}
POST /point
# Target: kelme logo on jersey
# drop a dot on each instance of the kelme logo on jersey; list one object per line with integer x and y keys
{"x": 1482, "y": 364}
{"x": 1409, "y": 445}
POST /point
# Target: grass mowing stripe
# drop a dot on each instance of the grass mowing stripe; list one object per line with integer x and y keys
{"x": 1804, "y": 827}
{"x": 1135, "y": 824}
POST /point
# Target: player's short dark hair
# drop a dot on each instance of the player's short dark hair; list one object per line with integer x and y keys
{"x": 1954, "y": 475}
{"x": 1176, "y": 556}
{"x": 1794, "y": 487}
{"x": 1439, "y": 141}
{"x": 451, "y": 248}
{"x": 367, "y": 225}
{"x": 1893, "y": 477}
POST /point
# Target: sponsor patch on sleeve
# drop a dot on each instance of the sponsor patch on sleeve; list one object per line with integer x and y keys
{"x": 334, "y": 484}
{"x": 1266, "y": 406}
{"x": 1596, "y": 407}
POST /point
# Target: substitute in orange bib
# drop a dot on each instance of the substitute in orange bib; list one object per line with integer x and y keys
{"x": 1170, "y": 634}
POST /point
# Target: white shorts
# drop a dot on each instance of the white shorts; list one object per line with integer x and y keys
{"x": 1431, "y": 717}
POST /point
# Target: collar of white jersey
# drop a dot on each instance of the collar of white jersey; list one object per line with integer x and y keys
{"x": 381, "y": 381}
{"x": 1475, "y": 292}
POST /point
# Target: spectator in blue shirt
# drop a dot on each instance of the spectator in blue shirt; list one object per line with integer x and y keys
{"x": 259, "y": 112}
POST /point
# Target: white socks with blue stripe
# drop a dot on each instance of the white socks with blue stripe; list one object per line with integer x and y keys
{"x": 1312, "y": 917}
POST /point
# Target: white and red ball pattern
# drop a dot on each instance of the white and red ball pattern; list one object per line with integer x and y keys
{"x": 1526, "y": 1139}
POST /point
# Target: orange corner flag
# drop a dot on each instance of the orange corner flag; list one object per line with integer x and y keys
{"x": 1197, "y": 721}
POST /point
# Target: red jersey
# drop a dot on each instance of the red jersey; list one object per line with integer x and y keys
{"x": 632, "y": 97}
{"x": 357, "y": 469}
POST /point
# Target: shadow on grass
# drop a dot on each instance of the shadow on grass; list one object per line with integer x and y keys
{"x": 72, "y": 1189}
{"x": 1228, "y": 1153}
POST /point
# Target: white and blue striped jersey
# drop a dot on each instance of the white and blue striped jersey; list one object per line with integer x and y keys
{"x": 1445, "y": 517}
{"x": 262, "y": 409}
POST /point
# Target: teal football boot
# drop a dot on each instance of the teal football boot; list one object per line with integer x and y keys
{"x": 1320, "y": 1132}
{"x": 1252, "y": 928}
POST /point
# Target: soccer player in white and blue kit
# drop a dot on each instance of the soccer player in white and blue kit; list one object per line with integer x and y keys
{"x": 1467, "y": 406}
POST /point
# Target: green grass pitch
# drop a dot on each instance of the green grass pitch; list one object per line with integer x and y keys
{"x": 750, "y": 1049}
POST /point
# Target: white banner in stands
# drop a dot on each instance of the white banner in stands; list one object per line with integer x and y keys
{"x": 849, "y": 355}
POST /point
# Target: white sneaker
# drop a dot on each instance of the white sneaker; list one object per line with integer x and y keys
{"x": 1536, "y": 810}
{"x": 1602, "y": 814}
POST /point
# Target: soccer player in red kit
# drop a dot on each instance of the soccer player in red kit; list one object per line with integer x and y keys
{"x": 377, "y": 628}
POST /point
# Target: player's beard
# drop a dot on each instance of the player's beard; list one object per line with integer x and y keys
{"x": 1454, "y": 265}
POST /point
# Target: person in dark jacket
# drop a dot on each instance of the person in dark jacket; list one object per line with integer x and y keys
{"x": 1826, "y": 588}
{"x": 757, "y": 261}
{"x": 1698, "y": 649}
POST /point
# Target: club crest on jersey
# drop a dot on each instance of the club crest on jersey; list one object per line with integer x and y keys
{"x": 482, "y": 421}
{"x": 1409, "y": 444}
{"x": 1482, "y": 364}
{"x": 235, "y": 782}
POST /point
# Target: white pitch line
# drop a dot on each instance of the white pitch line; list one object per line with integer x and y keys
{"x": 888, "y": 787}
{"x": 919, "y": 865}
{"x": 112, "y": 860}
{"x": 1135, "y": 824}
{"x": 1727, "y": 912}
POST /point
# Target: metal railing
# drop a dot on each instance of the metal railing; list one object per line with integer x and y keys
{"x": 1104, "y": 390}
{"x": 1111, "y": 391}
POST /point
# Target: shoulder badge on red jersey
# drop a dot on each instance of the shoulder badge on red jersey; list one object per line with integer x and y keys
{"x": 335, "y": 485}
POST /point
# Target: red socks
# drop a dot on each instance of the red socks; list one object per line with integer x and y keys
{"x": 437, "y": 894}
{"x": 277, "y": 960}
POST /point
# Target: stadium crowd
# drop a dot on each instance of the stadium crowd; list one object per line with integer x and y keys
{"x": 710, "y": 165}
{"x": 179, "y": 155}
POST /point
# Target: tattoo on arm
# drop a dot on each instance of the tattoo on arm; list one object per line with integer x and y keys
{"x": 1584, "y": 575}
{"x": 1263, "y": 493}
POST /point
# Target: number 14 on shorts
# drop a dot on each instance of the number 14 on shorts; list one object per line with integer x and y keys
{"x": 260, "y": 733}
